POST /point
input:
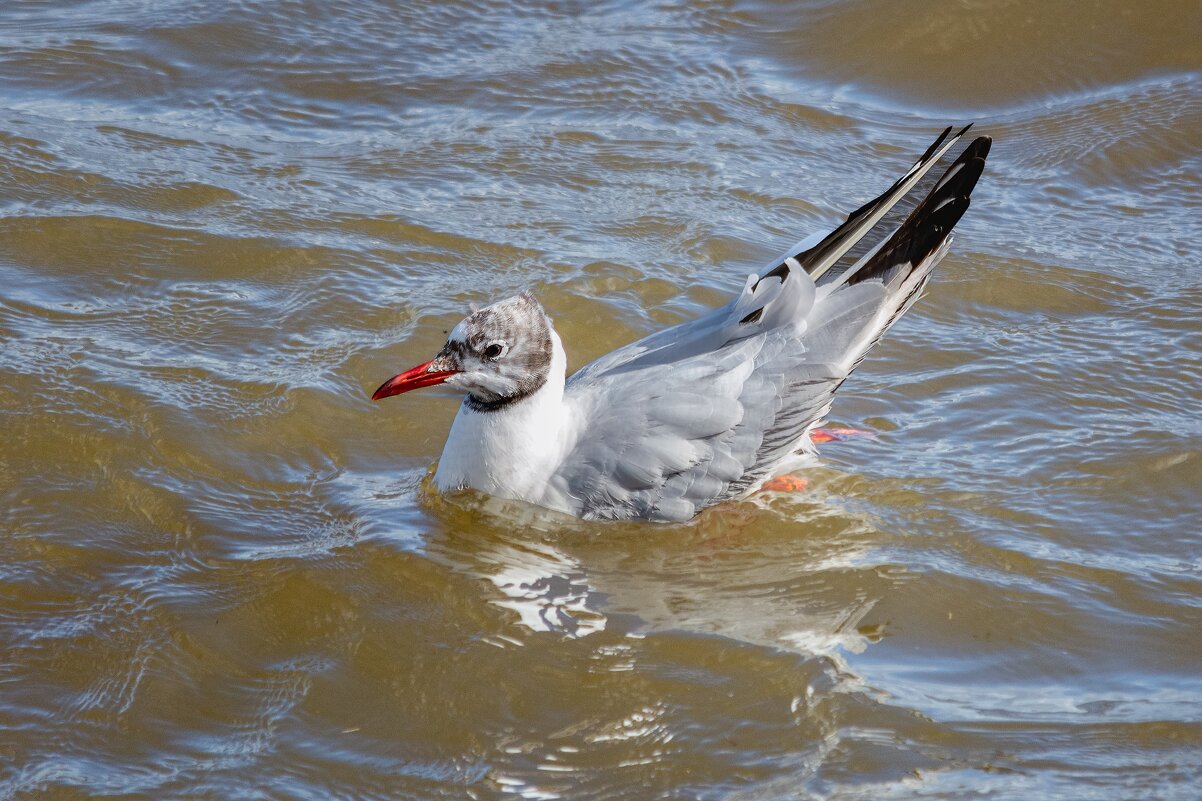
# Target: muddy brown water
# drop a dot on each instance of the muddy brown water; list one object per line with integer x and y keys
{"x": 222, "y": 576}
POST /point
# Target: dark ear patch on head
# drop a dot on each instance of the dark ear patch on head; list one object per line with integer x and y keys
{"x": 522, "y": 329}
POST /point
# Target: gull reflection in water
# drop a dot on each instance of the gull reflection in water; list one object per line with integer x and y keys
{"x": 506, "y": 544}
{"x": 740, "y": 571}
{"x": 547, "y": 589}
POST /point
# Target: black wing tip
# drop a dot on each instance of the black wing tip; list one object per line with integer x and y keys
{"x": 927, "y": 155}
{"x": 930, "y": 151}
{"x": 937, "y": 227}
{"x": 932, "y": 221}
{"x": 978, "y": 148}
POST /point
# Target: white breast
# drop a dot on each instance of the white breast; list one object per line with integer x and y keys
{"x": 512, "y": 452}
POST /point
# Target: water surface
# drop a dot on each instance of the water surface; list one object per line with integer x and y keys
{"x": 221, "y": 575}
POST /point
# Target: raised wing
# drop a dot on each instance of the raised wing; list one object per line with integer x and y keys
{"x": 706, "y": 410}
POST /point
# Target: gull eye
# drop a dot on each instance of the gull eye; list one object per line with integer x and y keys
{"x": 494, "y": 350}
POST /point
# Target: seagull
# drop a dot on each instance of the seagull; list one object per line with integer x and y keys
{"x": 705, "y": 411}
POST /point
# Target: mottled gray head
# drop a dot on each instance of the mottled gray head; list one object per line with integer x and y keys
{"x": 498, "y": 355}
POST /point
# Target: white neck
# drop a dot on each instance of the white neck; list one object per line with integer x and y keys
{"x": 513, "y": 451}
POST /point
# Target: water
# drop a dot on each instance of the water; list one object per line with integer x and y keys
{"x": 221, "y": 573}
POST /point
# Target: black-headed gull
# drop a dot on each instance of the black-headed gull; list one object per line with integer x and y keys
{"x": 704, "y": 411}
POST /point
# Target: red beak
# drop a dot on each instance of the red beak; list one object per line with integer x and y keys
{"x": 424, "y": 375}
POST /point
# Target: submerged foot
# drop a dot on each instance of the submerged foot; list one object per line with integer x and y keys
{"x": 791, "y": 483}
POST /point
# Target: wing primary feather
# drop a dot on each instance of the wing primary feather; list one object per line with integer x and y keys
{"x": 930, "y": 151}
{"x": 820, "y": 258}
{"x": 933, "y": 219}
{"x": 872, "y": 241}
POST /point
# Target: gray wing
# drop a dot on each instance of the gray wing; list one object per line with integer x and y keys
{"x": 665, "y": 440}
{"x": 706, "y": 410}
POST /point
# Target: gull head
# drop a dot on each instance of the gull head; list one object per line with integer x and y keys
{"x": 496, "y": 355}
